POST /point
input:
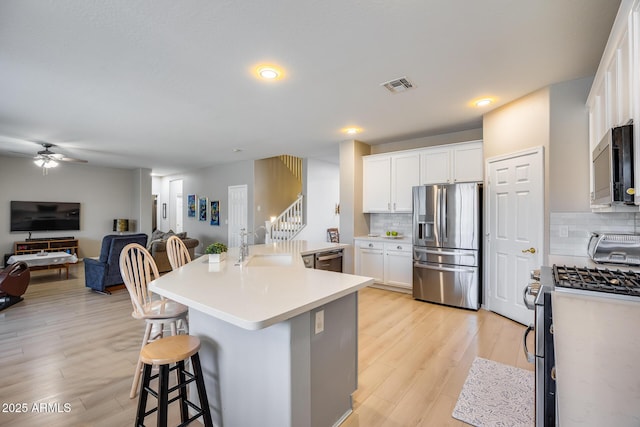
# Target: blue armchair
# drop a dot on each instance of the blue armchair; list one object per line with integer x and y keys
{"x": 105, "y": 271}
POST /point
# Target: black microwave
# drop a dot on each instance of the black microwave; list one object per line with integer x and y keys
{"x": 613, "y": 167}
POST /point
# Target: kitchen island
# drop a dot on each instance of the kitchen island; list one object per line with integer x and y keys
{"x": 279, "y": 341}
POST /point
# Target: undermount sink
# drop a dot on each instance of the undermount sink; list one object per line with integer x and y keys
{"x": 270, "y": 260}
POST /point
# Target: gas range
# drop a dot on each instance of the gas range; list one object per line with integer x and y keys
{"x": 610, "y": 283}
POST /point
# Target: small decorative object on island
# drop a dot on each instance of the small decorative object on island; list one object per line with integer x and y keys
{"x": 217, "y": 252}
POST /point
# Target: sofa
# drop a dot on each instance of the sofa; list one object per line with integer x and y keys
{"x": 105, "y": 271}
{"x": 158, "y": 248}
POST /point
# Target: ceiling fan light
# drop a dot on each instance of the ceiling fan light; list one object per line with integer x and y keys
{"x": 50, "y": 164}
{"x": 39, "y": 162}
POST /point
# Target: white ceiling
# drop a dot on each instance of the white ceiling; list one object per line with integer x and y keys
{"x": 169, "y": 85}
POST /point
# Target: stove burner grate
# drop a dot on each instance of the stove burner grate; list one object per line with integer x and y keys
{"x": 598, "y": 280}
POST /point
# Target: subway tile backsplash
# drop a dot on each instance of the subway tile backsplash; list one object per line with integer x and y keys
{"x": 400, "y": 222}
{"x": 570, "y": 231}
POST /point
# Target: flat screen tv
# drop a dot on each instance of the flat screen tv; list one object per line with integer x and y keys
{"x": 45, "y": 216}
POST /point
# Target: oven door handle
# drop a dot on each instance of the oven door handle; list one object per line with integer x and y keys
{"x": 453, "y": 270}
{"x": 328, "y": 257}
{"x": 528, "y": 291}
{"x": 530, "y": 357}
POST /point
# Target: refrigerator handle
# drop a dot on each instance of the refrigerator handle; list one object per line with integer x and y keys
{"x": 444, "y": 214}
{"x": 437, "y": 229}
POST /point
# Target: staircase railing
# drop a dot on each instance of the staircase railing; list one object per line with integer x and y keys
{"x": 288, "y": 224}
{"x": 294, "y": 164}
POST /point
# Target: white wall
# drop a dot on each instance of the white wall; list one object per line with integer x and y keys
{"x": 322, "y": 194}
{"x": 103, "y": 194}
{"x": 211, "y": 182}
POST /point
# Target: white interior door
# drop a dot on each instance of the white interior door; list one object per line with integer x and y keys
{"x": 238, "y": 213}
{"x": 515, "y": 230}
{"x": 175, "y": 205}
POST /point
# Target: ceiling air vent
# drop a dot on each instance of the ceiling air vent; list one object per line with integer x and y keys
{"x": 398, "y": 85}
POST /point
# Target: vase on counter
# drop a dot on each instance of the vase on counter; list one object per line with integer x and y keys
{"x": 217, "y": 257}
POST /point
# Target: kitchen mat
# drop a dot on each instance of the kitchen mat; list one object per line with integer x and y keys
{"x": 495, "y": 394}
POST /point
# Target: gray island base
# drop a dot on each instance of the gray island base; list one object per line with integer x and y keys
{"x": 283, "y": 375}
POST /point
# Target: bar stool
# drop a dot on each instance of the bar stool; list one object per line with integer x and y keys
{"x": 177, "y": 252}
{"x": 163, "y": 352}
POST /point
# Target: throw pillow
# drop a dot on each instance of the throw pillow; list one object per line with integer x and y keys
{"x": 157, "y": 234}
{"x": 182, "y": 235}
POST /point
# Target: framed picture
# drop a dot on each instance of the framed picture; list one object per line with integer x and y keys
{"x": 191, "y": 205}
{"x": 215, "y": 212}
{"x": 202, "y": 208}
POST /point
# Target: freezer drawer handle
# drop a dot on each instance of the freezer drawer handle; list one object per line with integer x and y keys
{"x": 530, "y": 357}
{"x": 453, "y": 270}
{"x": 427, "y": 251}
{"x": 328, "y": 257}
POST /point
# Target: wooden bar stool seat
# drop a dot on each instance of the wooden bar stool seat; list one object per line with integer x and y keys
{"x": 163, "y": 353}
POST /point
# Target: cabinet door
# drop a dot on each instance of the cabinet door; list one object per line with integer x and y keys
{"x": 435, "y": 166}
{"x": 371, "y": 262}
{"x": 405, "y": 174}
{"x": 468, "y": 163}
{"x": 376, "y": 191}
{"x": 398, "y": 266}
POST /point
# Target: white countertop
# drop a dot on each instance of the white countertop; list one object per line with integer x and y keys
{"x": 255, "y": 297}
{"x": 597, "y": 349}
{"x": 382, "y": 238}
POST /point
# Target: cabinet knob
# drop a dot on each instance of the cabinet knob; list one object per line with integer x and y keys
{"x": 370, "y": 245}
{"x": 399, "y": 247}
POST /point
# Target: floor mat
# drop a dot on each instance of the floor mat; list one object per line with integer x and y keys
{"x": 495, "y": 394}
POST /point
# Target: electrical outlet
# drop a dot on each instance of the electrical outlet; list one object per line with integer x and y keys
{"x": 319, "y": 321}
{"x": 563, "y": 231}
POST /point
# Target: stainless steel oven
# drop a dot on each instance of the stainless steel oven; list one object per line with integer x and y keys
{"x": 330, "y": 260}
{"x": 537, "y": 296}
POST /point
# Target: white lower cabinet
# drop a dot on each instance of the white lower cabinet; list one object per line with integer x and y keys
{"x": 370, "y": 259}
{"x": 398, "y": 265}
{"x": 389, "y": 263}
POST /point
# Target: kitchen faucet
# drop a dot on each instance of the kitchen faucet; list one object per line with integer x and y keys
{"x": 244, "y": 246}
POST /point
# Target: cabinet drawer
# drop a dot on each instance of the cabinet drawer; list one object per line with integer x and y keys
{"x": 366, "y": 244}
{"x": 398, "y": 247}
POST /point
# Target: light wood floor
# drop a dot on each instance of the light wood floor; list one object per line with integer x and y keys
{"x": 67, "y": 345}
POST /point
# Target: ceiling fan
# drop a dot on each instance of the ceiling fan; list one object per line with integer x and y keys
{"x": 48, "y": 159}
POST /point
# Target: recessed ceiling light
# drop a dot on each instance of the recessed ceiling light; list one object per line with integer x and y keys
{"x": 351, "y": 130}
{"x": 237, "y": 150}
{"x": 269, "y": 72}
{"x": 483, "y": 102}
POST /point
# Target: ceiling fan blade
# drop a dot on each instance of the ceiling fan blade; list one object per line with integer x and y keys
{"x": 71, "y": 160}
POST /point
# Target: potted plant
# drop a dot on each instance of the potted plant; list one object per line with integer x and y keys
{"x": 217, "y": 252}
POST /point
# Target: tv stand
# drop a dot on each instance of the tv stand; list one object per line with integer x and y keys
{"x": 43, "y": 239}
{"x": 56, "y": 244}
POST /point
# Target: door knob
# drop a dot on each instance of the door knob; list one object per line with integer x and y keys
{"x": 530, "y": 250}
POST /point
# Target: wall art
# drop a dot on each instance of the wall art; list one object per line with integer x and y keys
{"x": 191, "y": 205}
{"x": 215, "y": 212}
{"x": 202, "y": 208}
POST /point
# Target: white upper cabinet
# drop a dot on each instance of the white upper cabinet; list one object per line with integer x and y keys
{"x": 614, "y": 99}
{"x": 376, "y": 194}
{"x": 405, "y": 174}
{"x": 388, "y": 181}
{"x": 468, "y": 162}
{"x": 435, "y": 166}
{"x": 452, "y": 163}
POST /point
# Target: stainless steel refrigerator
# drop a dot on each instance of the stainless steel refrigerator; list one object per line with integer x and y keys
{"x": 447, "y": 243}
